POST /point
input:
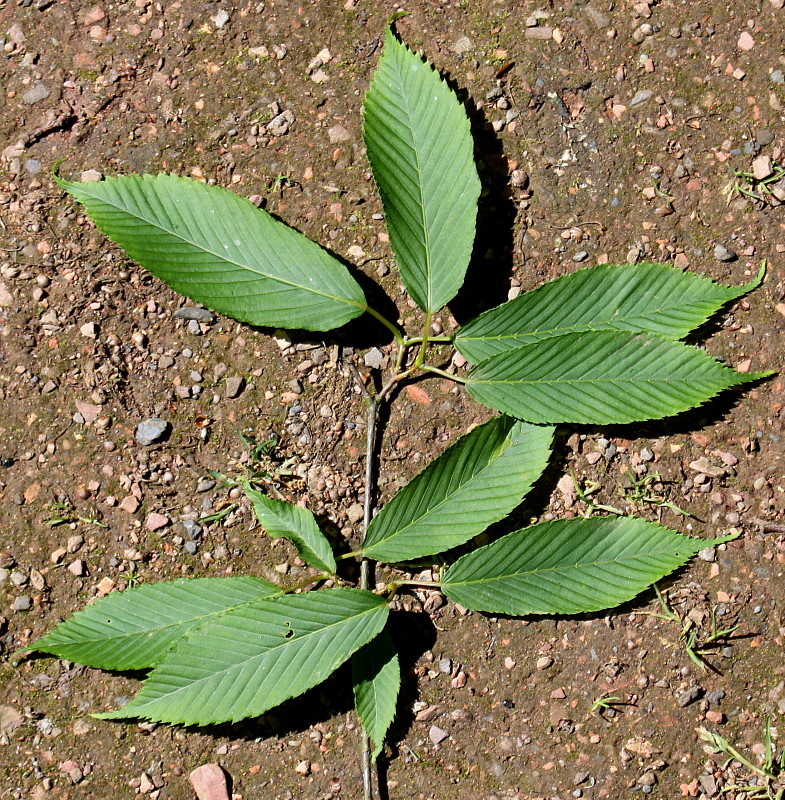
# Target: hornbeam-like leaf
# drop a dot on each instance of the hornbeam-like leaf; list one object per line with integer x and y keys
{"x": 247, "y": 661}
{"x": 219, "y": 249}
{"x": 602, "y": 377}
{"x": 568, "y": 566}
{"x": 376, "y": 679}
{"x": 134, "y": 628}
{"x": 474, "y": 483}
{"x": 421, "y": 152}
{"x": 652, "y": 298}
{"x": 295, "y": 524}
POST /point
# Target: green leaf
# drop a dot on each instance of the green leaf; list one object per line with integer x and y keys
{"x": 600, "y": 378}
{"x": 376, "y": 678}
{"x": 295, "y": 524}
{"x": 245, "y": 662}
{"x": 421, "y": 152}
{"x": 568, "y": 566}
{"x": 474, "y": 483}
{"x": 217, "y": 248}
{"x": 652, "y": 298}
{"x": 133, "y": 629}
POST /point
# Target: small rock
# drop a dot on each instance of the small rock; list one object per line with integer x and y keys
{"x": 689, "y": 696}
{"x": 145, "y": 784}
{"x": 89, "y": 330}
{"x": 544, "y": 662}
{"x": 641, "y": 96}
{"x": 703, "y": 466}
{"x": 77, "y": 568}
{"x": 10, "y": 719}
{"x": 156, "y": 521}
{"x": 374, "y": 358}
{"x": 722, "y": 253}
{"x": 437, "y": 734}
{"x": 746, "y": 42}
{"x": 707, "y": 554}
{"x": 6, "y": 298}
{"x": 35, "y": 94}
{"x": 355, "y": 513}
{"x": 90, "y": 176}
{"x": 303, "y": 768}
{"x": 152, "y": 431}
{"x": 597, "y": 17}
{"x": 195, "y": 313}
{"x": 338, "y": 134}
{"x": 278, "y": 126}
{"x": 761, "y": 168}
{"x": 22, "y": 603}
{"x": 209, "y": 782}
{"x": 204, "y": 485}
{"x": 130, "y": 504}
{"x": 234, "y": 387}
{"x": 220, "y": 18}
{"x": 89, "y": 411}
{"x": 580, "y": 256}
{"x": 543, "y": 33}
{"x": 463, "y": 45}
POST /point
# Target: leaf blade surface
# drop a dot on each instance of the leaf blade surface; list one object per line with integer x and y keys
{"x": 600, "y": 377}
{"x": 376, "y": 680}
{"x": 243, "y": 663}
{"x": 474, "y": 483}
{"x": 134, "y": 628}
{"x": 217, "y": 248}
{"x": 420, "y": 148}
{"x": 652, "y": 298}
{"x": 568, "y": 566}
{"x": 294, "y": 523}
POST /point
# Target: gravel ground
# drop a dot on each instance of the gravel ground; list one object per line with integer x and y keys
{"x": 606, "y": 132}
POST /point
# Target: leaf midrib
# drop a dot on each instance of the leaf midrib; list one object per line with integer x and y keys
{"x": 426, "y": 234}
{"x": 223, "y": 258}
{"x": 446, "y": 499}
{"x": 581, "y": 565}
{"x": 155, "y": 630}
{"x": 578, "y": 328}
{"x": 241, "y": 664}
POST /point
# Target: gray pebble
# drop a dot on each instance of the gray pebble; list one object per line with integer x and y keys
{"x": 192, "y": 528}
{"x": 373, "y": 358}
{"x": 597, "y": 17}
{"x": 204, "y": 486}
{"x": 722, "y": 253}
{"x": 18, "y": 578}
{"x": 689, "y": 696}
{"x": 764, "y": 137}
{"x": 22, "y": 603}
{"x": 3, "y": 575}
{"x": 193, "y": 328}
{"x": 445, "y": 665}
{"x": 641, "y": 96}
{"x": 191, "y": 547}
{"x": 152, "y": 431}
{"x": 33, "y": 166}
{"x": 707, "y": 554}
{"x": 581, "y": 255}
{"x": 195, "y": 313}
{"x": 295, "y": 386}
{"x": 234, "y": 386}
{"x": 35, "y": 94}
{"x": 777, "y": 76}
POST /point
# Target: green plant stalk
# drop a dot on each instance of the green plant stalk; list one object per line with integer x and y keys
{"x": 399, "y": 339}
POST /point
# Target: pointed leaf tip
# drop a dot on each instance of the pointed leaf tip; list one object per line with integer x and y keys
{"x": 419, "y": 144}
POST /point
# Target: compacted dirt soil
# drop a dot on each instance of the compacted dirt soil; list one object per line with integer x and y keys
{"x": 606, "y": 132}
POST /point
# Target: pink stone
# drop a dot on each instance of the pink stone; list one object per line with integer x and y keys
{"x": 156, "y": 521}
{"x": 130, "y": 504}
{"x": 209, "y": 782}
{"x": 746, "y": 42}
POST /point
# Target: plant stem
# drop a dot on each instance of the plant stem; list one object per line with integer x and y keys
{"x": 392, "y": 327}
{"x": 437, "y": 371}
{"x": 426, "y": 330}
{"x": 365, "y": 565}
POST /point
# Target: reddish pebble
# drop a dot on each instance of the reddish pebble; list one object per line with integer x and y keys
{"x": 209, "y": 782}
{"x": 156, "y": 522}
{"x": 717, "y": 717}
